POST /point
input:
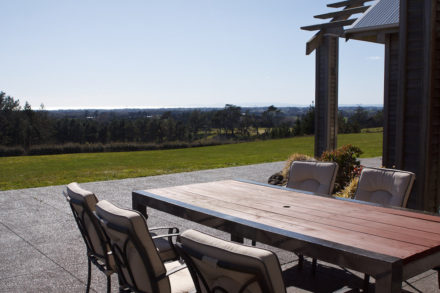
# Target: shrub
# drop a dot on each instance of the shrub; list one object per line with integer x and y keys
{"x": 11, "y": 151}
{"x": 294, "y": 157}
{"x": 350, "y": 189}
{"x": 346, "y": 157}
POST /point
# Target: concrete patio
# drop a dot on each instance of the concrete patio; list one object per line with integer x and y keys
{"x": 41, "y": 248}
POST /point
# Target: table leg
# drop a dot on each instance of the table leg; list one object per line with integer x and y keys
{"x": 140, "y": 208}
{"x": 236, "y": 238}
{"x": 390, "y": 282}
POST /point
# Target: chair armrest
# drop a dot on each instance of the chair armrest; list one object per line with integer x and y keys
{"x": 165, "y": 235}
{"x": 170, "y": 229}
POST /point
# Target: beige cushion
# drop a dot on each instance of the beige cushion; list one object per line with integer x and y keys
{"x": 214, "y": 250}
{"x": 88, "y": 201}
{"x": 317, "y": 177}
{"x": 135, "y": 223}
{"x": 385, "y": 186}
{"x": 181, "y": 281}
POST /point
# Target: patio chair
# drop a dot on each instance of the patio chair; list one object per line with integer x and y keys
{"x": 139, "y": 266}
{"x": 385, "y": 186}
{"x": 222, "y": 266}
{"x": 82, "y": 203}
{"x": 316, "y": 177}
{"x": 388, "y": 187}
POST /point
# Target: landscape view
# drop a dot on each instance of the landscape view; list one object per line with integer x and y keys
{"x": 283, "y": 146}
{"x": 26, "y": 132}
{"x": 178, "y": 78}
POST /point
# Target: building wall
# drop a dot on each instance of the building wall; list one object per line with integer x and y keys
{"x": 417, "y": 138}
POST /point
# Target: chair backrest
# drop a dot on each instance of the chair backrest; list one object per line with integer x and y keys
{"x": 385, "y": 186}
{"x": 137, "y": 260}
{"x": 83, "y": 203}
{"x": 222, "y": 266}
{"x": 317, "y": 177}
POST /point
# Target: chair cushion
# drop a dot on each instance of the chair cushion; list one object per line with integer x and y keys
{"x": 181, "y": 281}
{"x": 215, "y": 250}
{"x": 317, "y": 177}
{"x": 135, "y": 223}
{"x": 76, "y": 192}
{"x": 88, "y": 201}
{"x": 385, "y": 186}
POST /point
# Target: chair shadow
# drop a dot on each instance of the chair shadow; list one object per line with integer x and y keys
{"x": 327, "y": 279}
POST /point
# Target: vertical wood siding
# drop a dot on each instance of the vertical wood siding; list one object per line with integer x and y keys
{"x": 391, "y": 99}
{"x": 417, "y": 139}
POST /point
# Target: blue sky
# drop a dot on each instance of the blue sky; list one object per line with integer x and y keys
{"x": 130, "y": 54}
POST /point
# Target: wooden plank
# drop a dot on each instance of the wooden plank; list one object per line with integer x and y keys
{"x": 332, "y": 24}
{"x": 342, "y": 202}
{"x": 367, "y": 242}
{"x": 314, "y": 42}
{"x": 328, "y": 207}
{"x": 235, "y": 197}
{"x": 350, "y": 3}
{"x": 277, "y": 204}
{"x": 346, "y": 12}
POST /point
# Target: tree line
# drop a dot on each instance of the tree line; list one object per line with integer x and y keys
{"x": 26, "y": 128}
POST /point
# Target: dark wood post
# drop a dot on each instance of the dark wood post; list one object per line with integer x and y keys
{"x": 326, "y": 100}
{"x": 391, "y": 99}
{"x": 418, "y": 120}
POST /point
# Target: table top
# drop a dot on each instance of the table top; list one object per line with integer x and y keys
{"x": 397, "y": 233}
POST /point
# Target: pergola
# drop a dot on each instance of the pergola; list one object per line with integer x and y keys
{"x": 410, "y": 31}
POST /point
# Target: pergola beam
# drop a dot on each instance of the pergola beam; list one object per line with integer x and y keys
{"x": 349, "y": 3}
{"x": 332, "y": 24}
{"x": 346, "y": 12}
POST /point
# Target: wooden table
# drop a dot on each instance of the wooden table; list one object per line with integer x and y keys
{"x": 389, "y": 244}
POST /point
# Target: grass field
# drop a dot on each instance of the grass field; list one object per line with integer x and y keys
{"x": 35, "y": 171}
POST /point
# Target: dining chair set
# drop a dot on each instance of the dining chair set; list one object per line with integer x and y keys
{"x": 119, "y": 241}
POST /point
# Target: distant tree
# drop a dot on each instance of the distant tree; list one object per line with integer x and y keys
{"x": 245, "y": 123}
{"x": 342, "y": 124}
{"x": 8, "y": 103}
{"x": 271, "y": 117}
{"x": 232, "y": 117}
{"x": 196, "y": 122}
{"x": 308, "y": 121}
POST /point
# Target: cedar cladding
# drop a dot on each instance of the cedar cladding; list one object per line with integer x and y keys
{"x": 418, "y": 136}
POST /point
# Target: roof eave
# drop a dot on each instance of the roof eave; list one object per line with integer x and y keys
{"x": 372, "y": 33}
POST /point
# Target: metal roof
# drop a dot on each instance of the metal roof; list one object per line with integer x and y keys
{"x": 383, "y": 14}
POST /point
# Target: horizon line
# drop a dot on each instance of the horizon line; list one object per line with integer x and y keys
{"x": 198, "y": 107}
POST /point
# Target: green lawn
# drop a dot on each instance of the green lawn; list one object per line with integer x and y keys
{"x": 34, "y": 171}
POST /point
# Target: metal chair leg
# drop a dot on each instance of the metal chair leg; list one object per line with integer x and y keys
{"x": 366, "y": 282}
{"x": 314, "y": 266}
{"x": 438, "y": 276}
{"x": 109, "y": 284}
{"x": 89, "y": 275}
{"x": 300, "y": 261}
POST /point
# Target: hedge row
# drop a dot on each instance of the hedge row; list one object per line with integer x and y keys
{"x": 71, "y": 148}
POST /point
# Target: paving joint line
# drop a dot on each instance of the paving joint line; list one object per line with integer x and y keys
{"x": 37, "y": 249}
